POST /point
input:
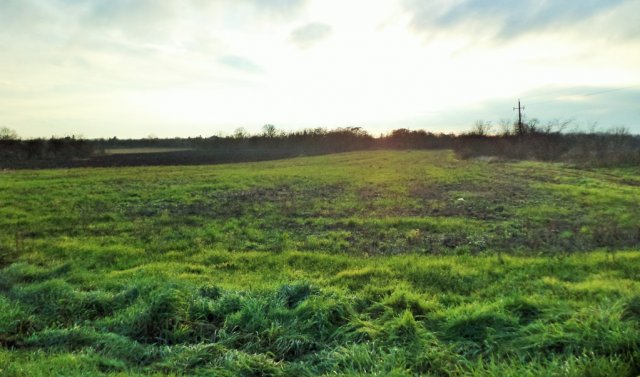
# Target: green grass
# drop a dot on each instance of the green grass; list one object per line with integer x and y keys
{"x": 350, "y": 264}
{"x": 143, "y": 150}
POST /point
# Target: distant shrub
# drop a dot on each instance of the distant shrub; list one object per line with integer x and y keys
{"x": 548, "y": 143}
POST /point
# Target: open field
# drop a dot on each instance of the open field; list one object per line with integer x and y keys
{"x": 143, "y": 150}
{"x": 367, "y": 263}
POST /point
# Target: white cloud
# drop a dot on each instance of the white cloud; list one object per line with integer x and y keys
{"x": 505, "y": 19}
{"x": 130, "y": 68}
{"x": 310, "y": 34}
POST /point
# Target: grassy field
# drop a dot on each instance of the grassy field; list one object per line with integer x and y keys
{"x": 143, "y": 150}
{"x": 372, "y": 263}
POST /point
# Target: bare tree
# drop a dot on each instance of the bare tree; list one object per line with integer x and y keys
{"x": 240, "y": 133}
{"x": 481, "y": 128}
{"x": 269, "y": 130}
{"x": 506, "y": 127}
{"x": 7, "y": 133}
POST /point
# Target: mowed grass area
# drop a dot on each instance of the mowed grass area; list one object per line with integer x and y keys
{"x": 372, "y": 263}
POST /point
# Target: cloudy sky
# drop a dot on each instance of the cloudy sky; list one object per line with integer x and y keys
{"x": 131, "y": 68}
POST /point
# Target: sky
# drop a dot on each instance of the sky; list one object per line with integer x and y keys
{"x": 135, "y": 68}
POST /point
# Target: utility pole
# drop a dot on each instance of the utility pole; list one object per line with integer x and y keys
{"x": 520, "y": 130}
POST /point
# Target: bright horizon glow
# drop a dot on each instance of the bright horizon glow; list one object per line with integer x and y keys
{"x": 197, "y": 67}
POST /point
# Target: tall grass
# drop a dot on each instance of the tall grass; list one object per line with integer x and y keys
{"x": 528, "y": 315}
{"x": 353, "y": 264}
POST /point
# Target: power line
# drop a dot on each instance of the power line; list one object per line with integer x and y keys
{"x": 519, "y": 108}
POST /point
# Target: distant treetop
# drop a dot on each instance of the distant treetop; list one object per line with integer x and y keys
{"x": 7, "y": 133}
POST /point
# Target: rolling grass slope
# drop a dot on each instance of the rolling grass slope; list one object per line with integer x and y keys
{"x": 373, "y": 263}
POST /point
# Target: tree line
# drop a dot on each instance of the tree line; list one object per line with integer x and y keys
{"x": 551, "y": 141}
{"x": 531, "y": 140}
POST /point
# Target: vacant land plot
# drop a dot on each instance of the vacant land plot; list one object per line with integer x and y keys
{"x": 369, "y": 263}
{"x": 143, "y": 150}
